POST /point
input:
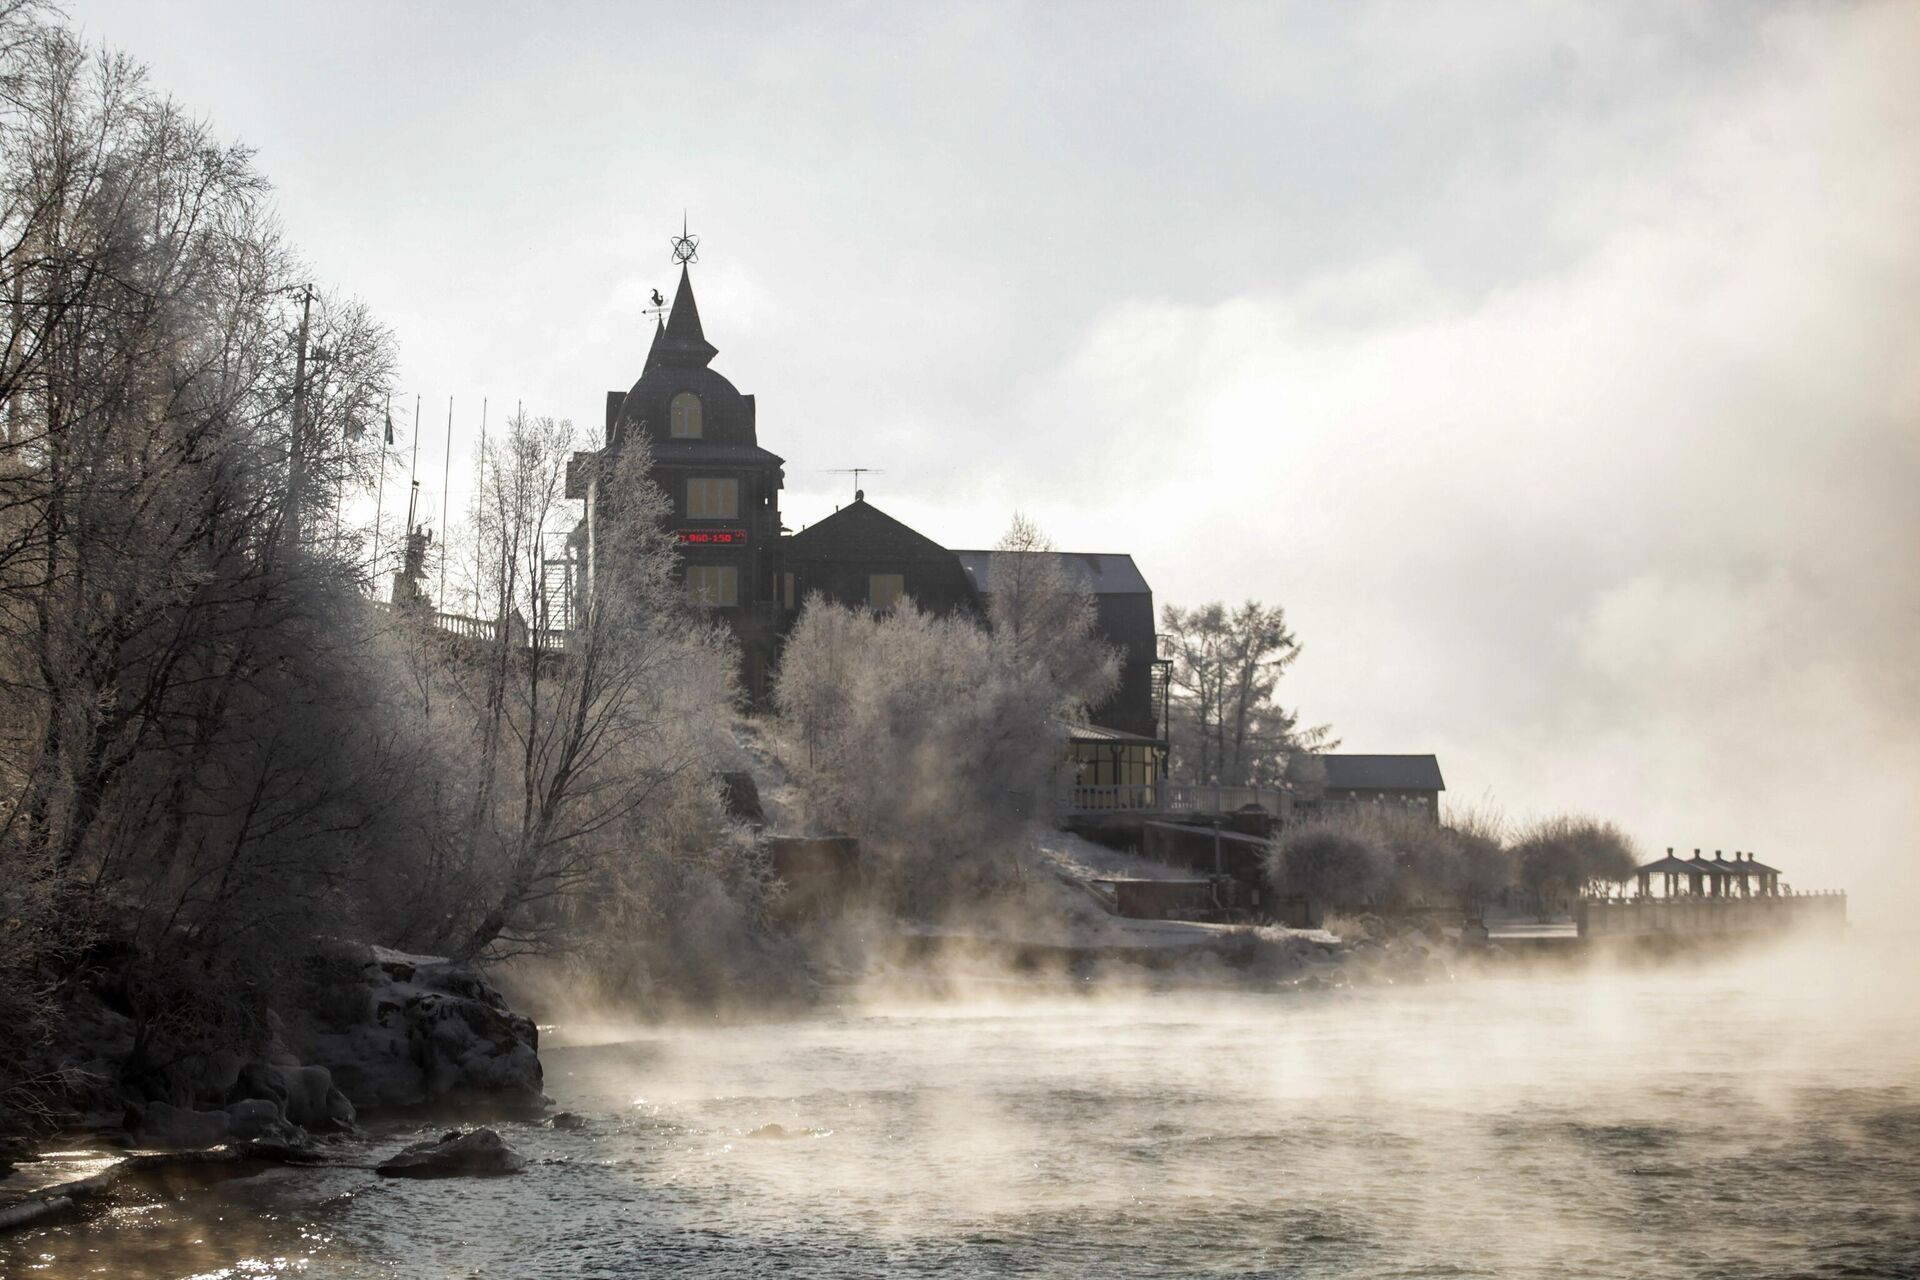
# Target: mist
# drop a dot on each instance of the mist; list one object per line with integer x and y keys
{"x": 1515, "y": 1125}
{"x": 1551, "y": 365}
{"x": 1547, "y": 374}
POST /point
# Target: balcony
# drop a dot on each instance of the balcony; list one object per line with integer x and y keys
{"x": 1162, "y": 798}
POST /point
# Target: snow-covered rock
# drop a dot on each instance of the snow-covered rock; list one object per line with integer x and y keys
{"x": 426, "y": 1033}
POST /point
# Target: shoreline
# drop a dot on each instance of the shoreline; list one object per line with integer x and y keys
{"x": 937, "y": 966}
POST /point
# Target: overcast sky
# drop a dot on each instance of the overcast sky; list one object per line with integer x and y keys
{"x": 1557, "y": 367}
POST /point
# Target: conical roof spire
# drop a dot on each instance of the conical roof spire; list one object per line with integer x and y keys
{"x": 653, "y": 349}
{"x": 683, "y": 340}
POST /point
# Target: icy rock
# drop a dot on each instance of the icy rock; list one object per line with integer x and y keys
{"x": 161, "y": 1124}
{"x": 424, "y": 1032}
{"x": 252, "y": 1117}
{"x": 305, "y": 1097}
{"x": 258, "y": 1123}
{"x": 780, "y": 1131}
{"x": 477, "y": 1153}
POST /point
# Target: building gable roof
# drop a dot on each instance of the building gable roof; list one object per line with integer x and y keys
{"x": 1347, "y": 772}
{"x": 859, "y": 530}
{"x": 1105, "y": 573}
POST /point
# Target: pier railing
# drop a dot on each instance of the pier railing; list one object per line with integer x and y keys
{"x": 1601, "y": 917}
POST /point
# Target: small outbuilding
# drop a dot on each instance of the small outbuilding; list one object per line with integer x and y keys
{"x": 1411, "y": 780}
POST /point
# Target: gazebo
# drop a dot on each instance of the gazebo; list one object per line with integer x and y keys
{"x": 1769, "y": 879}
{"x": 1731, "y": 873}
{"x": 1669, "y": 869}
{"x": 1706, "y": 878}
{"x": 1713, "y": 877}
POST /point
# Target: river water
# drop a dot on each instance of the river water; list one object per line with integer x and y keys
{"x": 1757, "y": 1118}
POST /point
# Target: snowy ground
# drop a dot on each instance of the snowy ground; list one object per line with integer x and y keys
{"x": 1082, "y": 910}
{"x": 779, "y": 799}
{"x": 1064, "y": 905}
{"x": 1082, "y": 859}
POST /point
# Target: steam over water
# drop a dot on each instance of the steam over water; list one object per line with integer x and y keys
{"x": 1760, "y": 1118}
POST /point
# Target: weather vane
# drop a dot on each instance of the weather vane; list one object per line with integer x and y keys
{"x": 685, "y": 246}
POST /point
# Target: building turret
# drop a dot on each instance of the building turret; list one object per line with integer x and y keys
{"x": 723, "y": 489}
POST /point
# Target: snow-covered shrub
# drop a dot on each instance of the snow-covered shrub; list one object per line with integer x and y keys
{"x": 916, "y": 734}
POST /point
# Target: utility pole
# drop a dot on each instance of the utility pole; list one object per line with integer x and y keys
{"x": 296, "y": 454}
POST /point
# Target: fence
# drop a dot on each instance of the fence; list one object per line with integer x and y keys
{"x": 1697, "y": 914}
{"x": 1174, "y": 797}
{"x": 487, "y": 630}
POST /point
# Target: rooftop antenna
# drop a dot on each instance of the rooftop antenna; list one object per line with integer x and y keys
{"x": 859, "y": 494}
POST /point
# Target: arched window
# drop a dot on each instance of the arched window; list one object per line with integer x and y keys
{"x": 684, "y": 414}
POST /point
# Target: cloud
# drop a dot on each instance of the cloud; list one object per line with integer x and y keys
{"x": 1635, "y": 534}
{"x": 1552, "y": 364}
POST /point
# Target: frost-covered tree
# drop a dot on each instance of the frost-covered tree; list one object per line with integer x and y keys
{"x": 586, "y": 747}
{"x": 924, "y": 737}
{"x": 1389, "y": 857}
{"x": 1329, "y": 867}
{"x": 191, "y": 764}
{"x": 1044, "y": 615}
{"x": 1560, "y": 858}
{"x": 1226, "y": 723}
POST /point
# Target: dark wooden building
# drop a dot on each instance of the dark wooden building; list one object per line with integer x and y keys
{"x": 860, "y": 555}
{"x": 724, "y": 488}
{"x": 736, "y": 560}
{"x": 1413, "y": 781}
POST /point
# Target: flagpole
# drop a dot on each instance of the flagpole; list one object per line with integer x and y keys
{"x": 446, "y": 478}
{"x": 413, "y": 468}
{"x": 380, "y": 493}
{"x": 481, "y": 481}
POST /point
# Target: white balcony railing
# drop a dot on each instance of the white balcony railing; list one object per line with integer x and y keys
{"x": 1174, "y": 797}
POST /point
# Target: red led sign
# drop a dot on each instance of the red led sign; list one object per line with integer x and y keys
{"x": 713, "y": 537}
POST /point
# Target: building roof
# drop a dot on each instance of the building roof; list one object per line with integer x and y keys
{"x": 1706, "y": 866}
{"x": 863, "y": 532}
{"x": 1668, "y": 865}
{"x": 653, "y": 350}
{"x": 1100, "y": 733}
{"x": 684, "y": 341}
{"x": 709, "y": 451}
{"x": 1382, "y": 773}
{"x": 1185, "y": 882}
{"x": 678, "y": 361}
{"x": 1107, "y": 573}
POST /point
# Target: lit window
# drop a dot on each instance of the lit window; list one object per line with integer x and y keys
{"x": 713, "y": 499}
{"x": 716, "y": 586}
{"x": 684, "y": 414}
{"x": 789, "y": 591}
{"x": 885, "y": 589}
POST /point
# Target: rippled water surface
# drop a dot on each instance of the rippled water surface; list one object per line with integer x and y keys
{"x": 1756, "y": 1119}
